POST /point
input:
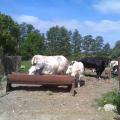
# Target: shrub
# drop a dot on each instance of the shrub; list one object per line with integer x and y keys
{"x": 108, "y": 98}
{"x": 2, "y": 78}
{"x": 25, "y": 65}
{"x": 117, "y": 103}
{"x": 112, "y": 97}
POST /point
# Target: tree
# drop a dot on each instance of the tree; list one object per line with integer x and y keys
{"x": 87, "y": 44}
{"x": 64, "y": 42}
{"x": 116, "y": 50}
{"x": 25, "y": 29}
{"x": 58, "y": 41}
{"x": 32, "y": 41}
{"x": 76, "y": 42}
{"x": 53, "y": 36}
{"x": 98, "y": 45}
{"x": 106, "y": 50}
{"x": 9, "y": 34}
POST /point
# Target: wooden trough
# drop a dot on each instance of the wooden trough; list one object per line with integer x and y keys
{"x": 57, "y": 80}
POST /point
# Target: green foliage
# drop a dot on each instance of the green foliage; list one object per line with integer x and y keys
{"x": 87, "y": 44}
{"x": 108, "y": 98}
{"x": 116, "y": 50}
{"x": 53, "y": 37}
{"x": 106, "y": 50}
{"x": 1, "y": 51}
{"x": 58, "y": 41}
{"x": 91, "y": 46}
{"x": 76, "y": 43}
{"x": 98, "y": 46}
{"x": 112, "y": 97}
{"x": 25, "y": 29}
{"x": 117, "y": 103}
{"x": 99, "y": 43}
{"x": 32, "y": 42}
{"x": 25, "y": 65}
{"x": 2, "y": 78}
{"x": 27, "y": 41}
{"x": 9, "y": 34}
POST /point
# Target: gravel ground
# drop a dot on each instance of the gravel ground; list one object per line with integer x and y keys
{"x": 51, "y": 103}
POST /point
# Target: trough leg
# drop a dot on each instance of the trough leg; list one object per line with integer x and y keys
{"x": 73, "y": 89}
{"x": 109, "y": 74}
{"x": 69, "y": 87}
{"x": 8, "y": 87}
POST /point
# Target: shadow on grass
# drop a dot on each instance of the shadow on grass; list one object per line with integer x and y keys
{"x": 82, "y": 83}
{"x": 52, "y": 88}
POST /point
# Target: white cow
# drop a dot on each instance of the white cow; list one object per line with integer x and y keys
{"x": 114, "y": 67}
{"x": 113, "y": 63}
{"x": 48, "y": 64}
{"x": 76, "y": 70}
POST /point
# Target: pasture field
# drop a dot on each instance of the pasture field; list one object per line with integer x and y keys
{"x": 52, "y": 103}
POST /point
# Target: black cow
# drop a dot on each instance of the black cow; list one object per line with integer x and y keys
{"x": 96, "y": 63}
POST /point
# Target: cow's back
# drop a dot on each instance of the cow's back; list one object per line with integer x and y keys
{"x": 50, "y": 65}
{"x": 88, "y": 62}
{"x": 93, "y": 62}
{"x": 63, "y": 63}
{"x": 37, "y": 59}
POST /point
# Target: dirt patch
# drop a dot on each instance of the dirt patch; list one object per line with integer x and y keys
{"x": 48, "y": 103}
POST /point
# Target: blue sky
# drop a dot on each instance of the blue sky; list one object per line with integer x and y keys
{"x": 95, "y": 17}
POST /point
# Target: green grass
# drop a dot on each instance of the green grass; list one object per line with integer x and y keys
{"x": 2, "y": 78}
{"x": 25, "y": 65}
{"x": 90, "y": 74}
{"x": 112, "y": 97}
{"x": 108, "y": 98}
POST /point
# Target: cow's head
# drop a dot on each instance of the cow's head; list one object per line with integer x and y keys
{"x": 115, "y": 70}
{"x": 69, "y": 69}
{"x": 72, "y": 62}
{"x": 32, "y": 70}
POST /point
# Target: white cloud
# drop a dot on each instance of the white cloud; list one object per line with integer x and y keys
{"x": 103, "y": 26}
{"x": 108, "y": 6}
{"x": 85, "y": 26}
{"x": 26, "y": 18}
{"x": 106, "y": 28}
{"x": 43, "y": 25}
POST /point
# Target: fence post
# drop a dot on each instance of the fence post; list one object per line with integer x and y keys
{"x": 119, "y": 72}
{"x": 11, "y": 64}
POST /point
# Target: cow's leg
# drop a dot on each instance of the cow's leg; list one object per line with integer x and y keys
{"x": 72, "y": 91}
{"x": 78, "y": 82}
{"x": 8, "y": 87}
{"x": 77, "y": 79}
{"x": 69, "y": 87}
{"x": 98, "y": 74}
{"x": 101, "y": 71}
